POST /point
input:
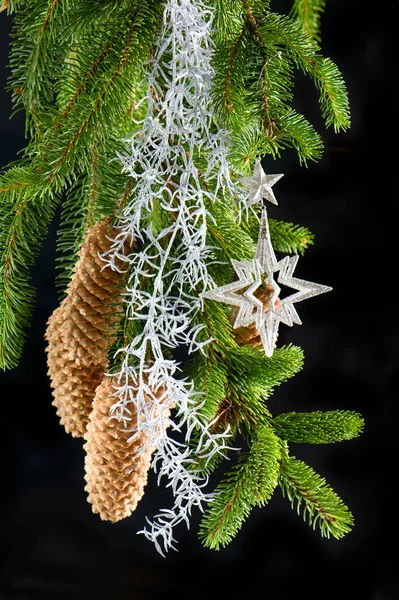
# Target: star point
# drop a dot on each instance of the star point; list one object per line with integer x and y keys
{"x": 260, "y": 185}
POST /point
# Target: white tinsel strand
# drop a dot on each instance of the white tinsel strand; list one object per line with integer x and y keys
{"x": 179, "y": 122}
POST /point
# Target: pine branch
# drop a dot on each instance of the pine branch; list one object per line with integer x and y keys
{"x": 296, "y": 131}
{"x": 290, "y": 238}
{"x": 38, "y": 43}
{"x": 286, "y": 237}
{"x": 94, "y": 196}
{"x": 11, "y": 6}
{"x": 320, "y": 504}
{"x": 251, "y": 482}
{"x": 325, "y": 74}
{"x": 319, "y": 427}
{"x": 228, "y": 240}
{"x": 251, "y": 369}
{"x": 307, "y": 13}
{"x": 97, "y": 110}
{"x": 24, "y": 218}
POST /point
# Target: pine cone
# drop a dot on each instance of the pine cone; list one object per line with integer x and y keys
{"x": 250, "y": 336}
{"x": 4, "y": 5}
{"x": 115, "y": 474}
{"x": 81, "y": 330}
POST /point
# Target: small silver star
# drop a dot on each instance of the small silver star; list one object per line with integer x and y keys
{"x": 250, "y": 279}
{"x": 260, "y": 185}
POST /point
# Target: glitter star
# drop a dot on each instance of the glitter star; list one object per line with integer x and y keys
{"x": 241, "y": 293}
{"x": 260, "y": 185}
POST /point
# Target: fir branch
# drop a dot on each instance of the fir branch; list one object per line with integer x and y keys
{"x": 36, "y": 51}
{"x": 256, "y": 374}
{"x": 296, "y": 131}
{"x": 286, "y": 237}
{"x": 66, "y": 144}
{"x": 231, "y": 506}
{"x": 24, "y": 218}
{"x": 12, "y": 6}
{"x": 227, "y": 94}
{"x": 227, "y": 16}
{"x": 251, "y": 482}
{"x": 267, "y": 447}
{"x": 325, "y": 74}
{"x": 210, "y": 379}
{"x": 307, "y": 13}
{"x": 320, "y": 504}
{"x": 319, "y": 427}
{"x": 93, "y": 196}
{"x": 228, "y": 241}
{"x": 290, "y": 238}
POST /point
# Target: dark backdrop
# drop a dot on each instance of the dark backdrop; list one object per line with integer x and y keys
{"x": 53, "y": 547}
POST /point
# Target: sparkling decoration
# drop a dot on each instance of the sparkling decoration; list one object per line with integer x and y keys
{"x": 174, "y": 259}
{"x": 260, "y": 185}
{"x": 252, "y": 275}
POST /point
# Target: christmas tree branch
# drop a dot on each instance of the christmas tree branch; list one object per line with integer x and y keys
{"x": 319, "y": 427}
{"x": 308, "y": 13}
{"x": 251, "y": 482}
{"x": 24, "y": 218}
{"x": 321, "y": 505}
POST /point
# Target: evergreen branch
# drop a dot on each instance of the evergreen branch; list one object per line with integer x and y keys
{"x": 295, "y": 131}
{"x": 11, "y": 6}
{"x": 321, "y": 505}
{"x": 24, "y": 218}
{"x": 36, "y": 52}
{"x": 249, "y": 144}
{"x": 290, "y": 238}
{"x": 269, "y": 125}
{"x": 326, "y": 75}
{"x": 249, "y": 378}
{"x": 228, "y": 17}
{"x": 228, "y": 240}
{"x": 266, "y": 447}
{"x": 234, "y": 51}
{"x": 319, "y": 427}
{"x": 95, "y": 195}
{"x": 108, "y": 82}
{"x": 210, "y": 380}
{"x": 251, "y": 482}
{"x": 286, "y": 237}
{"x": 255, "y": 374}
{"x": 307, "y": 13}
{"x": 231, "y": 506}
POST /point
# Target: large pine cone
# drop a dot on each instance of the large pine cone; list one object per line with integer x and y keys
{"x": 81, "y": 330}
{"x": 250, "y": 336}
{"x": 115, "y": 474}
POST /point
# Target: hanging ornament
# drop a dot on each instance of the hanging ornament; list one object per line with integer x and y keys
{"x": 260, "y": 185}
{"x": 118, "y": 457}
{"x": 81, "y": 330}
{"x": 265, "y": 271}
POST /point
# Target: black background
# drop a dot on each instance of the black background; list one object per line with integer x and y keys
{"x": 54, "y": 547}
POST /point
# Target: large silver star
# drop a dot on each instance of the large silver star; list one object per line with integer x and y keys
{"x": 260, "y": 185}
{"x": 240, "y": 293}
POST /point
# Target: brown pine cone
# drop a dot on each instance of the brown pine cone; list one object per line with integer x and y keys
{"x": 250, "y": 336}
{"x": 81, "y": 330}
{"x": 116, "y": 476}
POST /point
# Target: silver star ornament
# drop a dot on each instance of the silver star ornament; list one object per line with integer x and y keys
{"x": 260, "y": 185}
{"x": 241, "y": 293}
